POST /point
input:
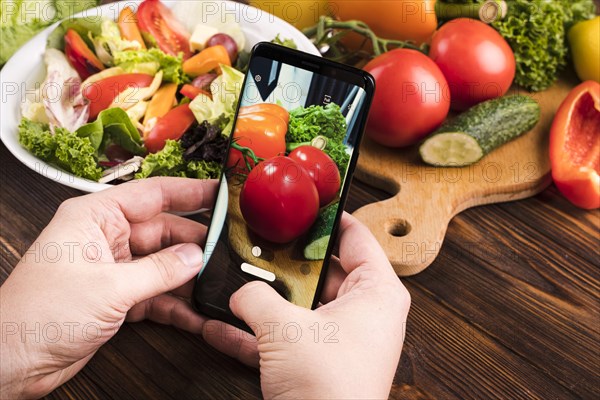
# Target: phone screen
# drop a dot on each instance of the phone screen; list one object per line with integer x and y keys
{"x": 265, "y": 224}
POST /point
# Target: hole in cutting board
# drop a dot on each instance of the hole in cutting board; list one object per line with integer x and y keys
{"x": 398, "y": 227}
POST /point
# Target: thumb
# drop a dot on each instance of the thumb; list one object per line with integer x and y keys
{"x": 160, "y": 272}
{"x": 256, "y": 303}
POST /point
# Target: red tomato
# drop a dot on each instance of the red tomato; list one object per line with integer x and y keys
{"x": 410, "y": 100}
{"x": 322, "y": 169}
{"x": 279, "y": 200}
{"x": 157, "y": 20}
{"x": 102, "y": 93}
{"x": 171, "y": 126}
{"x": 80, "y": 56}
{"x": 477, "y": 62}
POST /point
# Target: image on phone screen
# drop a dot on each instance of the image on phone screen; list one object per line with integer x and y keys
{"x": 273, "y": 220}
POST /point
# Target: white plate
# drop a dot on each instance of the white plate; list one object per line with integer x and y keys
{"x": 26, "y": 68}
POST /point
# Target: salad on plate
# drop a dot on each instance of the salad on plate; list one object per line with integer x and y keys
{"x": 150, "y": 94}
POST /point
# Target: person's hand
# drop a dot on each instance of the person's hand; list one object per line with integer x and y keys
{"x": 347, "y": 348}
{"x": 80, "y": 280}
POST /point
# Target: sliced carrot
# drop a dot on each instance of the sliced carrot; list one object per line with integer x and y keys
{"x": 161, "y": 102}
{"x": 207, "y": 60}
{"x": 128, "y": 26}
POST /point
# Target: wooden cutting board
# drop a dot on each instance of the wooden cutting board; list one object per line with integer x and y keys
{"x": 411, "y": 225}
{"x": 297, "y": 277}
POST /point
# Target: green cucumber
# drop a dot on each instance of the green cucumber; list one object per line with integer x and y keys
{"x": 320, "y": 233}
{"x": 479, "y": 130}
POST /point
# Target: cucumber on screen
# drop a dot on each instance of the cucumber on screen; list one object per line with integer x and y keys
{"x": 479, "y": 130}
{"x": 320, "y": 233}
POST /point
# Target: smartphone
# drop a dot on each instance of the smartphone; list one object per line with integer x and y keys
{"x": 266, "y": 224}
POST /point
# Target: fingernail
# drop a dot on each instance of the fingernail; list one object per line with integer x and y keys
{"x": 190, "y": 254}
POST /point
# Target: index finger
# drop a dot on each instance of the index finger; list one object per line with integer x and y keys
{"x": 141, "y": 200}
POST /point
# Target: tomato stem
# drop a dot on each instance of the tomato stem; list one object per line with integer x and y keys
{"x": 328, "y": 31}
{"x": 247, "y": 153}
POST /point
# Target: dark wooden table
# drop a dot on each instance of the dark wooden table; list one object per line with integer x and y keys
{"x": 508, "y": 310}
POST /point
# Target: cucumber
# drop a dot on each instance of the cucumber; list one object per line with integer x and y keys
{"x": 479, "y": 130}
{"x": 320, "y": 233}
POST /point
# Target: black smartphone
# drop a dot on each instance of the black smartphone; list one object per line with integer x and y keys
{"x": 272, "y": 220}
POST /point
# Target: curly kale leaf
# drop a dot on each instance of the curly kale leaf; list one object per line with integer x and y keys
{"x": 535, "y": 30}
{"x": 307, "y": 123}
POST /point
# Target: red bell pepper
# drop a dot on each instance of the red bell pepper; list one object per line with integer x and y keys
{"x": 261, "y": 130}
{"x": 575, "y": 146}
{"x": 191, "y": 92}
{"x": 80, "y": 56}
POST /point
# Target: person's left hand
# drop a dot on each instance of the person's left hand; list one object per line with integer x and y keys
{"x": 80, "y": 280}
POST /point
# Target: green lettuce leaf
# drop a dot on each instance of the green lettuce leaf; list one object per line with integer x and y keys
{"x": 110, "y": 42}
{"x": 65, "y": 9}
{"x": 170, "y": 162}
{"x": 167, "y": 162}
{"x": 83, "y": 26}
{"x": 20, "y": 20}
{"x": 150, "y": 61}
{"x": 62, "y": 148}
{"x": 113, "y": 126}
{"x": 203, "y": 169}
{"x": 221, "y": 108}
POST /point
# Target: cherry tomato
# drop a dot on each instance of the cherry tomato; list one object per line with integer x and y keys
{"x": 102, "y": 93}
{"x": 157, "y": 20}
{"x": 263, "y": 133}
{"x": 411, "y": 99}
{"x": 279, "y": 200}
{"x": 191, "y": 91}
{"x": 226, "y": 41}
{"x": 477, "y": 62}
{"x": 171, "y": 126}
{"x": 80, "y": 56}
{"x": 322, "y": 169}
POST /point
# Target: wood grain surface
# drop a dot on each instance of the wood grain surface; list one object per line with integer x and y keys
{"x": 508, "y": 310}
{"x": 412, "y": 224}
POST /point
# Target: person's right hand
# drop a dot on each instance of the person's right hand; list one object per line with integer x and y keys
{"x": 347, "y": 348}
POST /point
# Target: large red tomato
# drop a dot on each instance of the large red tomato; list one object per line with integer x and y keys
{"x": 322, "y": 169}
{"x": 411, "y": 99}
{"x": 279, "y": 200}
{"x": 477, "y": 62}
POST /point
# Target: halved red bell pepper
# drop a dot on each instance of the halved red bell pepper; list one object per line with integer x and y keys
{"x": 191, "y": 91}
{"x": 80, "y": 56}
{"x": 575, "y": 146}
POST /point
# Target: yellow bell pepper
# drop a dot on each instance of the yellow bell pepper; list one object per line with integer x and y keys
{"x": 584, "y": 39}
